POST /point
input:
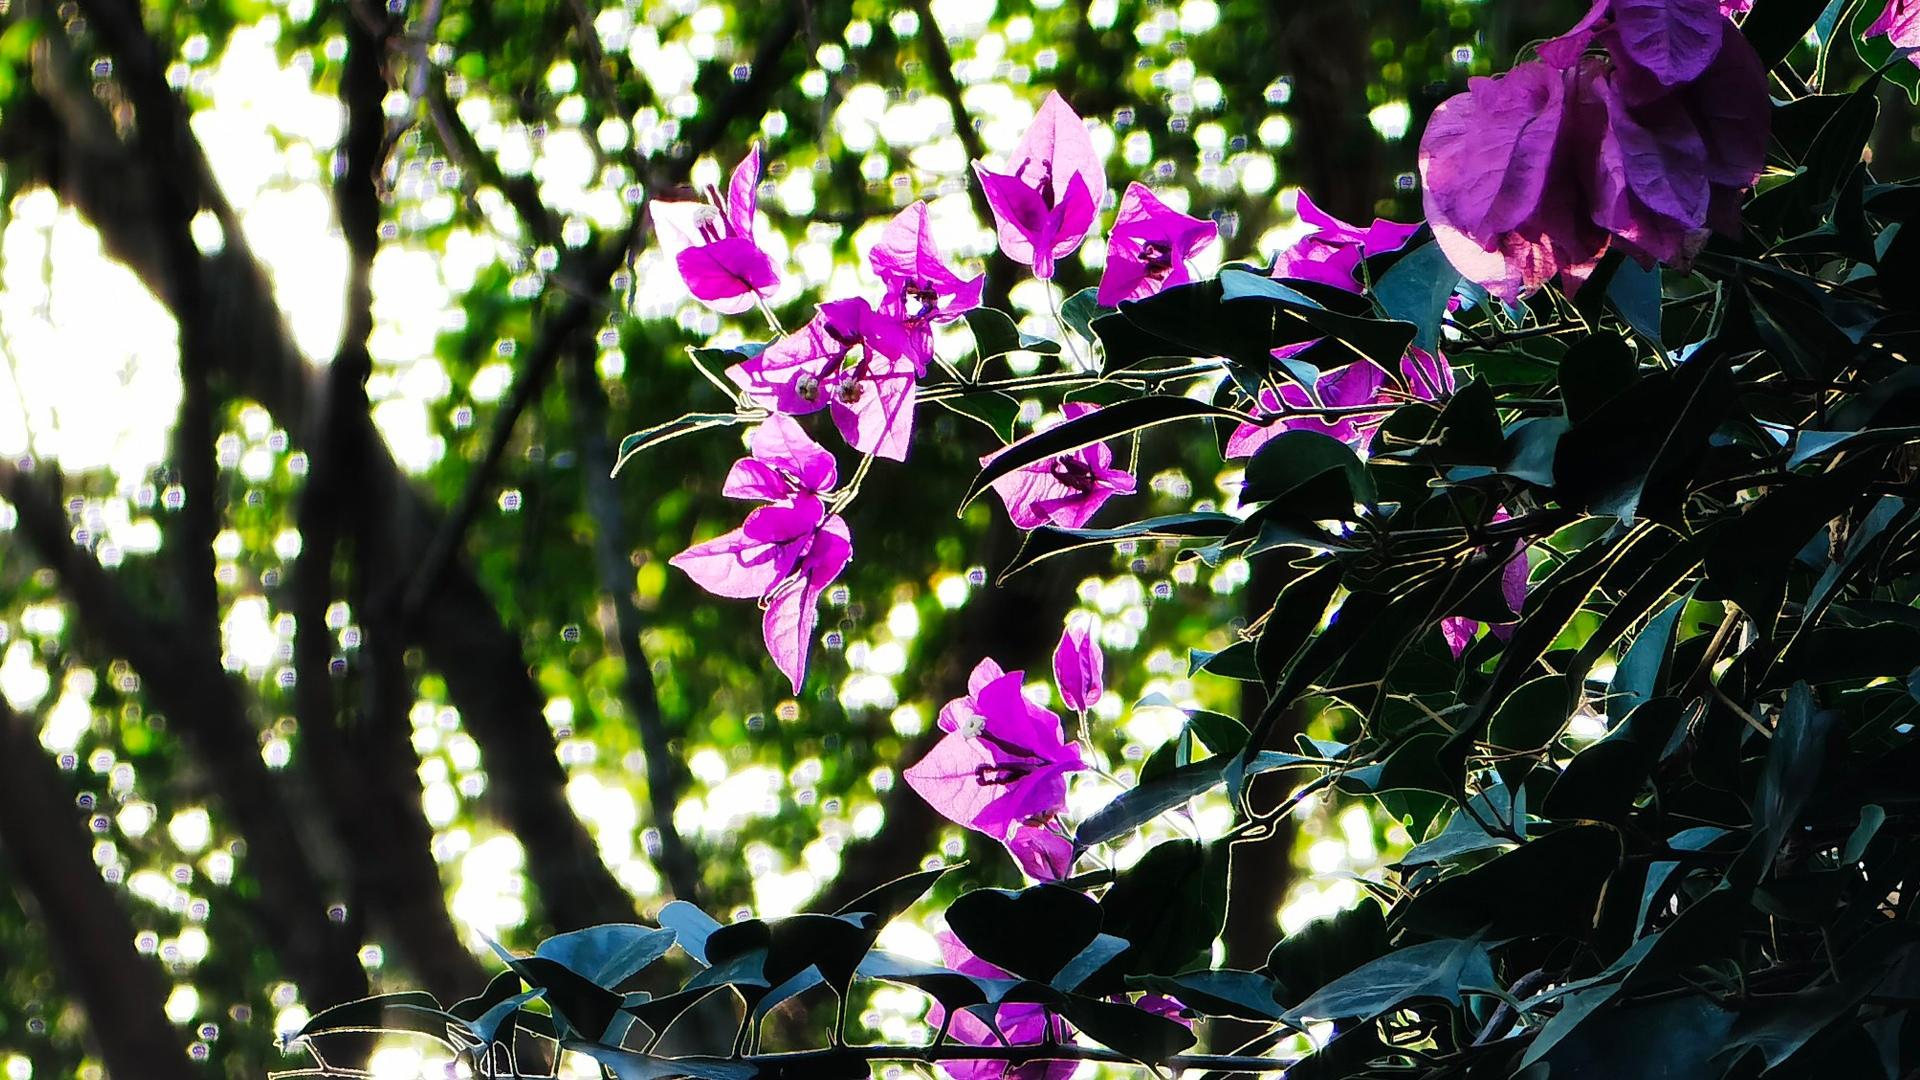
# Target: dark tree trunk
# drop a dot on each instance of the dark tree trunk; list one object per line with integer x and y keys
{"x": 48, "y": 857}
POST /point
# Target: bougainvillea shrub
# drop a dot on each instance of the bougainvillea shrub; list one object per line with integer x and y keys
{"x": 1591, "y": 500}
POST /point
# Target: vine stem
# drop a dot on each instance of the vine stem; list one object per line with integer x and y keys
{"x": 1066, "y": 334}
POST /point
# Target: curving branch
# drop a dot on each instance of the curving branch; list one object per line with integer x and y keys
{"x": 666, "y": 776}
{"x": 1000, "y": 269}
{"x": 48, "y": 854}
{"x": 364, "y": 763}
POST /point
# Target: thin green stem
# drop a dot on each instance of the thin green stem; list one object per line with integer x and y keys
{"x": 1066, "y": 333}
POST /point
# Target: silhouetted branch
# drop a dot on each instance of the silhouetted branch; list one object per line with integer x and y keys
{"x": 1000, "y": 269}
{"x": 562, "y": 332}
{"x": 49, "y": 857}
{"x": 611, "y": 548}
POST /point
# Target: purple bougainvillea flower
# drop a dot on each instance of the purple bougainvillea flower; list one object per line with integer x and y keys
{"x": 1043, "y": 852}
{"x": 1673, "y": 40}
{"x": 1079, "y": 667}
{"x": 1002, "y": 760}
{"x": 713, "y": 246}
{"x": 1731, "y": 8}
{"x": 787, "y": 552}
{"x": 1539, "y": 172}
{"x": 1459, "y": 632}
{"x": 1730, "y": 108}
{"x": 1646, "y": 178}
{"x": 1499, "y": 165}
{"x": 1427, "y": 377}
{"x": 851, "y": 359}
{"x": 1669, "y": 42}
{"x": 1067, "y": 490}
{"x": 1900, "y": 25}
{"x": 1150, "y": 248}
{"x": 1022, "y": 1024}
{"x": 1333, "y": 251}
{"x": 921, "y": 288}
{"x": 1046, "y": 201}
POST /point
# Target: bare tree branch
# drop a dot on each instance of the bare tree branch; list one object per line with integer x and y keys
{"x": 366, "y": 767}
{"x": 1000, "y": 269}
{"x": 611, "y": 546}
{"x": 49, "y": 854}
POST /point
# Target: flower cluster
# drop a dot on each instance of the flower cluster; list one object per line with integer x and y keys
{"x": 1001, "y": 769}
{"x": 862, "y": 360}
{"x": 787, "y": 552}
{"x": 1642, "y": 146}
{"x": 1331, "y": 254}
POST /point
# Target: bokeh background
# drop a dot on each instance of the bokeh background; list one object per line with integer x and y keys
{"x": 328, "y": 648}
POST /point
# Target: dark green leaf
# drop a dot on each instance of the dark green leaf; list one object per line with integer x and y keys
{"x": 409, "y": 1011}
{"x": 994, "y": 334}
{"x": 1749, "y": 559}
{"x": 1095, "y": 962}
{"x": 996, "y": 411}
{"x": 1326, "y": 949}
{"x": 691, "y": 927}
{"x": 1145, "y": 801}
{"x": 607, "y": 955}
{"x": 1671, "y": 1037}
{"x": 1381, "y": 340}
{"x": 1284, "y": 469}
{"x": 1169, "y": 907}
{"x": 1774, "y": 27}
{"x": 1529, "y": 720}
{"x": 1595, "y": 371}
{"x": 1244, "y": 995}
{"x": 884, "y": 903}
{"x": 1219, "y": 733}
{"x": 1531, "y": 447}
{"x": 1416, "y": 290}
{"x": 1132, "y": 1031}
{"x": 1549, "y": 885}
{"x": 672, "y": 429}
{"x": 1795, "y": 757}
{"x": 1046, "y": 542}
{"x": 1642, "y": 671}
{"x": 1601, "y": 782}
{"x": 1427, "y": 972}
{"x": 1296, "y": 613}
{"x": 1467, "y": 431}
{"x": 1032, "y": 933}
{"x": 1080, "y": 309}
{"x": 1634, "y": 455}
{"x": 1634, "y": 294}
